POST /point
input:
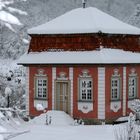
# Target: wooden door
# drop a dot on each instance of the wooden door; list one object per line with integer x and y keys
{"x": 62, "y": 96}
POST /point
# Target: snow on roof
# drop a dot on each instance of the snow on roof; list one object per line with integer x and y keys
{"x": 85, "y": 20}
{"x": 102, "y": 56}
{"x": 9, "y": 18}
{"x": 121, "y": 119}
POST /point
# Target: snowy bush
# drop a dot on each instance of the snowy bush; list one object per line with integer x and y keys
{"x": 121, "y": 132}
{"x": 8, "y": 91}
{"x": 127, "y": 131}
{"x": 135, "y": 107}
{"x": 39, "y": 107}
{"x": 12, "y": 84}
{"x": 131, "y": 127}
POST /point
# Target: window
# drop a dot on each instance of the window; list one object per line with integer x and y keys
{"x": 85, "y": 89}
{"x": 132, "y": 87}
{"x": 41, "y": 87}
{"x": 115, "y": 88}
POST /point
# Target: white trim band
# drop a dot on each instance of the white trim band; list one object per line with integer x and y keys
{"x": 101, "y": 93}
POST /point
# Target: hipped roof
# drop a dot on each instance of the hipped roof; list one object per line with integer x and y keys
{"x": 85, "y": 20}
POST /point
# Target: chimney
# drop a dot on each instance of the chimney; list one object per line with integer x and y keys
{"x": 84, "y": 3}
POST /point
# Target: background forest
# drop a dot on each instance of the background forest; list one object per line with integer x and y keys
{"x": 17, "y": 16}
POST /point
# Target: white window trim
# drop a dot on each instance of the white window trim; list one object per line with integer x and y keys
{"x": 80, "y": 90}
{"x": 117, "y": 77}
{"x": 135, "y": 86}
{"x": 36, "y": 87}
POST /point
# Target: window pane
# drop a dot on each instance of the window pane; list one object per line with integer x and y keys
{"x": 89, "y": 84}
{"x": 39, "y": 82}
{"x": 89, "y": 94}
{"x": 83, "y": 84}
{"x": 132, "y": 87}
{"x": 115, "y": 88}
{"x": 83, "y": 94}
{"x": 44, "y": 82}
{"x": 85, "y": 89}
{"x": 41, "y": 87}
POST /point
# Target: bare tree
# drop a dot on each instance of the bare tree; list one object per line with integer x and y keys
{"x": 110, "y": 2}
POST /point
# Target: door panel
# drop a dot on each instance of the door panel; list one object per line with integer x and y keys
{"x": 62, "y": 96}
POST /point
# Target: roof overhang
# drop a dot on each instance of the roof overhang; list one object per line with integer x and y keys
{"x": 97, "y": 57}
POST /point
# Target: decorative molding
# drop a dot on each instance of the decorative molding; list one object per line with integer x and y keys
{"x": 62, "y": 76}
{"x": 40, "y": 72}
{"x": 71, "y": 89}
{"x": 130, "y": 103}
{"x": 101, "y": 93}
{"x": 115, "y": 106}
{"x": 85, "y": 73}
{"x": 85, "y": 107}
{"x": 124, "y": 91}
{"x": 133, "y": 72}
{"x": 116, "y": 73}
{"x": 53, "y": 79}
{"x": 44, "y": 103}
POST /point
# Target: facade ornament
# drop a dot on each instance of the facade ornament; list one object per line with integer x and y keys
{"x": 85, "y": 107}
{"x": 41, "y": 72}
{"x": 43, "y": 103}
{"x": 84, "y": 3}
{"x": 85, "y": 73}
{"x": 133, "y": 72}
{"x": 116, "y": 72}
{"x": 62, "y": 76}
{"x": 115, "y": 106}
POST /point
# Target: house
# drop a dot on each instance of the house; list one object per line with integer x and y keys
{"x": 86, "y": 63}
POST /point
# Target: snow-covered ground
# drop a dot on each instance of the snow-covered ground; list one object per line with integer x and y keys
{"x": 59, "y": 125}
{"x": 44, "y": 132}
{"x": 62, "y": 127}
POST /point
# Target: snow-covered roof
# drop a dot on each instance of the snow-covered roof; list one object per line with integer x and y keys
{"x": 85, "y": 20}
{"x": 102, "y": 56}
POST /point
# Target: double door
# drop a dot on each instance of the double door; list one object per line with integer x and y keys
{"x": 62, "y": 97}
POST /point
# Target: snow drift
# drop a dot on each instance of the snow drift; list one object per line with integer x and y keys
{"x": 54, "y": 118}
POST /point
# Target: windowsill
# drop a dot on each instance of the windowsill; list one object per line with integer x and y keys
{"x": 44, "y": 99}
{"x": 130, "y": 99}
{"x": 117, "y": 100}
{"x": 82, "y": 101}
